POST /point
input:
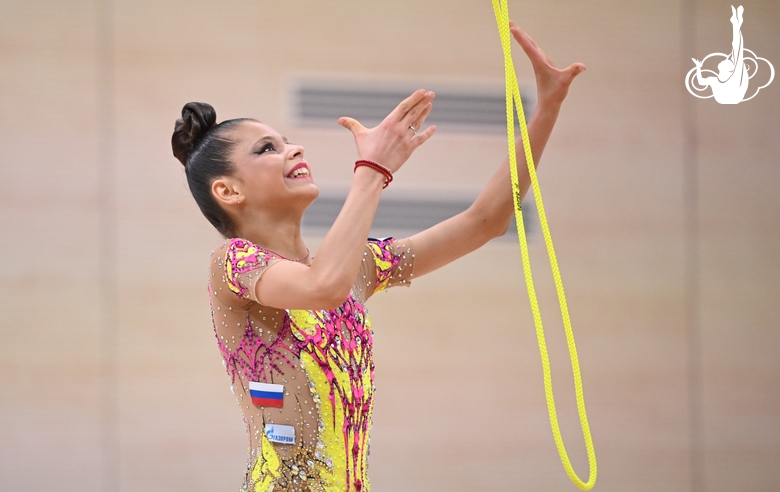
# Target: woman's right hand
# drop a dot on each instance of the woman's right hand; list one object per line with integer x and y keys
{"x": 392, "y": 142}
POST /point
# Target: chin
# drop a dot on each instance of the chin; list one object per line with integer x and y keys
{"x": 311, "y": 192}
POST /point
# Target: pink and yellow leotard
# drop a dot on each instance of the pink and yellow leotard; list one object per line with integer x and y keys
{"x": 322, "y": 360}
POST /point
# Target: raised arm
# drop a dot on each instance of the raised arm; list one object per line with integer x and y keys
{"x": 327, "y": 282}
{"x": 490, "y": 215}
{"x": 703, "y": 81}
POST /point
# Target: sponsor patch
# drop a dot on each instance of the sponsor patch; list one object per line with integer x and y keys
{"x": 284, "y": 434}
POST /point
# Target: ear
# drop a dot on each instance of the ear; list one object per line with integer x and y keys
{"x": 226, "y": 191}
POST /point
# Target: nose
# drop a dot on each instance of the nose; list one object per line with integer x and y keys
{"x": 294, "y": 151}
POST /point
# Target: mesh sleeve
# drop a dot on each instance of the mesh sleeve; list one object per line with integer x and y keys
{"x": 244, "y": 264}
{"x": 394, "y": 262}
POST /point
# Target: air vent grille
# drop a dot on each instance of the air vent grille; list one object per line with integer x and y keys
{"x": 459, "y": 110}
{"x": 398, "y": 216}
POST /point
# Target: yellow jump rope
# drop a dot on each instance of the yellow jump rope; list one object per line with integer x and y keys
{"x": 513, "y": 101}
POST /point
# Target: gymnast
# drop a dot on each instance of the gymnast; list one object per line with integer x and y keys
{"x": 292, "y": 329}
{"x": 731, "y": 84}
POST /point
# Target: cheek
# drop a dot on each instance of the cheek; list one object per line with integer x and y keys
{"x": 264, "y": 184}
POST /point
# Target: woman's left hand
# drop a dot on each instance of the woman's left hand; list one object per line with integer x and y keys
{"x": 491, "y": 213}
{"x": 552, "y": 84}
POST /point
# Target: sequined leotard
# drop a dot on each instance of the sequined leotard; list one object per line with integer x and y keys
{"x": 320, "y": 361}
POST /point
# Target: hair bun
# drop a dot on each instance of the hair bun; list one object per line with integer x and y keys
{"x": 196, "y": 120}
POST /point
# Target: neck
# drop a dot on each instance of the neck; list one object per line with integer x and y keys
{"x": 281, "y": 235}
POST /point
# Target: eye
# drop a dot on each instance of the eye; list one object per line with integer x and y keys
{"x": 269, "y": 147}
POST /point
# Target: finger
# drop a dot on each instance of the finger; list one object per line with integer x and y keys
{"x": 414, "y": 114}
{"x": 400, "y": 111}
{"x": 531, "y": 49}
{"x": 351, "y": 124}
{"x": 423, "y": 137}
{"x": 522, "y": 37}
{"x": 420, "y": 121}
{"x": 575, "y": 69}
{"x": 514, "y": 27}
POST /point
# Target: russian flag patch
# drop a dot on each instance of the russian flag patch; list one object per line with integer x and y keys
{"x": 266, "y": 395}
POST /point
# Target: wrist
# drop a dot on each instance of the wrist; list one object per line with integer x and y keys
{"x": 549, "y": 105}
{"x": 365, "y": 176}
{"x": 376, "y": 167}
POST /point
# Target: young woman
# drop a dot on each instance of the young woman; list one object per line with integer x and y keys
{"x": 293, "y": 329}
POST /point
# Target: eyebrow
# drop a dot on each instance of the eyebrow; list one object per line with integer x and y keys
{"x": 267, "y": 138}
{"x": 264, "y": 138}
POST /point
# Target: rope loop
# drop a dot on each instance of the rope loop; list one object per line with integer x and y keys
{"x": 513, "y": 101}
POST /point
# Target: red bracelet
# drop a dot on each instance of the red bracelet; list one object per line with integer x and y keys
{"x": 377, "y": 167}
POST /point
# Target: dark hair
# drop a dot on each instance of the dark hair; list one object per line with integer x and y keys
{"x": 204, "y": 148}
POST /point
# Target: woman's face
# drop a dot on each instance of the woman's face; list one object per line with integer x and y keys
{"x": 272, "y": 172}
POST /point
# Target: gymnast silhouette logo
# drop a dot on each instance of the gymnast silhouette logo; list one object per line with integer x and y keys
{"x": 735, "y": 70}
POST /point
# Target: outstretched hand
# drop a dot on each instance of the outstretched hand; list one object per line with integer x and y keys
{"x": 394, "y": 140}
{"x": 552, "y": 84}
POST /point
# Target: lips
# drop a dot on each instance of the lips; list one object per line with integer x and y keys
{"x": 300, "y": 170}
